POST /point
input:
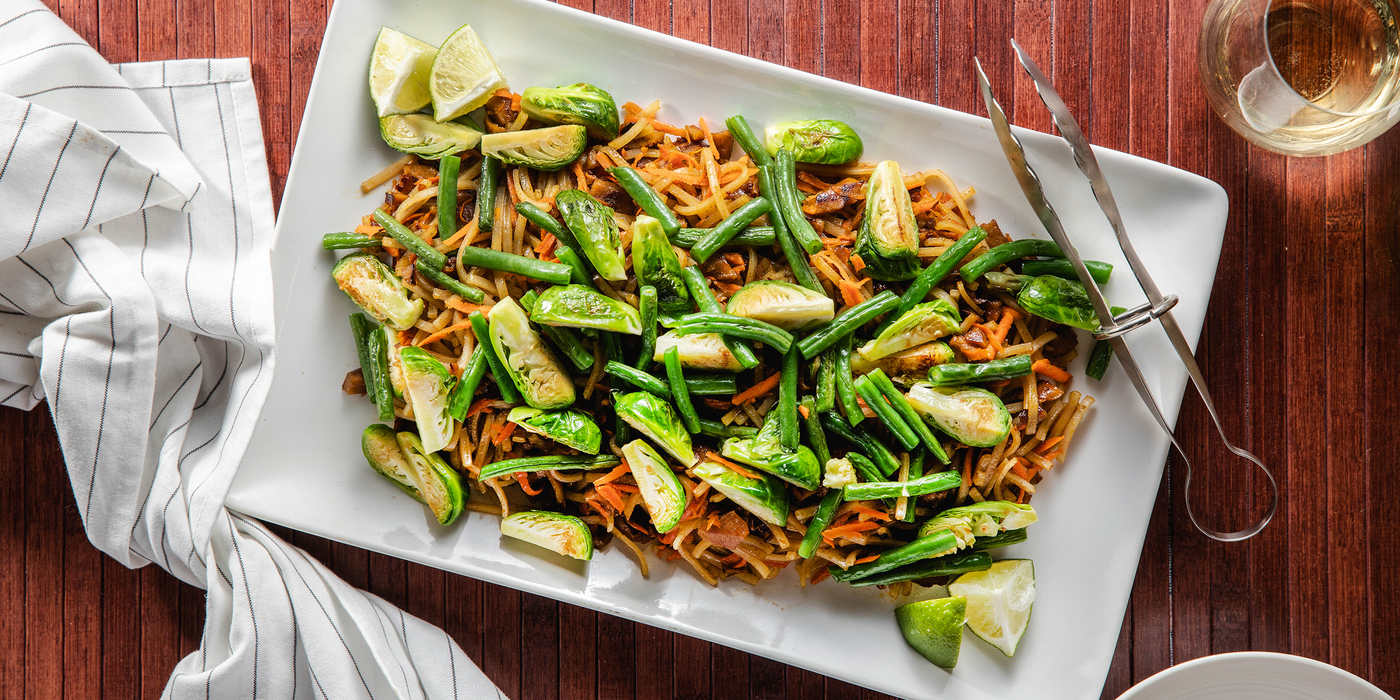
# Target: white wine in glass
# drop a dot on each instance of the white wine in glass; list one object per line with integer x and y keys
{"x": 1304, "y": 78}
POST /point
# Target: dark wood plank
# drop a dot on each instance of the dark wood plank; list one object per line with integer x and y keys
{"x": 46, "y": 486}
{"x": 1268, "y": 395}
{"x": 120, "y": 658}
{"x": 1307, "y": 415}
{"x": 116, "y": 30}
{"x": 462, "y": 615}
{"x": 500, "y": 634}
{"x": 82, "y": 605}
{"x": 617, "y": 667}
{"x": 155, "y": 29}
{"x": 654, "y": 652}
{"x": 306, "y": 23}
{"x": 1347, "y": 560}
{"x": 1126, "y": 67}
{"x": 542, "y": 648}
{"x": 578, "y": 658}
{"x": 160, "y": 628}
{"x": 13, "y": 582}
{"x": 1143, "y": 101}
{"x": 1381, "y": 449}
{"x": 1034, "y": 31}
{"x": 194, "y": 28}
{"x": 1193, "y": 567}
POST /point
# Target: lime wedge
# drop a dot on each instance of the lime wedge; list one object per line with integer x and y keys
{"x": 934, "y": 628}
{"x": 550, "y": 148}
{"x": 418, "y": 133}
{"x": 398, "y": 73}
{"x": 464, "y": 75}
{"x": 999, "y": 602}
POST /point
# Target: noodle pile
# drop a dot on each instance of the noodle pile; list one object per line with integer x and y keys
{"x": 693, "y": 168}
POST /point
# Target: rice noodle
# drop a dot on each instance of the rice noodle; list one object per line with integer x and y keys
{"x": 389, "y": 172}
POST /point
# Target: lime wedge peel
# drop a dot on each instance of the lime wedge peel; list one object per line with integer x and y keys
{"x": 399, "y": 68}
{"x": 463, "y": 76}
{"x": 999, "y": 602}
{"x": 934, "y": 628}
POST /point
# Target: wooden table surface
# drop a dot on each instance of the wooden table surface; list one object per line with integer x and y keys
{"x": 1307, "y": 274}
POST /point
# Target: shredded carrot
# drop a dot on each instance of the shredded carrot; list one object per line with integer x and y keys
{"x": 524, "y": 482}
{"x": 479, "y": 406}
{"x": 872, "y": 513}
{"x": 979, "y": 354}
{"x": 741, "y": 471}
{"x": 850, "y": 292}
{"x": 611, "y": 494}
{"x": 863, "y": 560}
{"x": 709, "y": 138}
{"x": 470, "y": 230}
{"x": 503, "y": 434}
{"x": 1020, "y": 471}
{"x": 1054, "y": 455}
{"x": 615, "y": 474}
{"x": 967, "y": 465}
{"x": 991, "y": 337}
{"x": 625, "y": 488}
{"x": 831, "y": 533}
{"x": 1044, "y": 367}
{"x": 805, "y": 413}
{"x": 546, "y": 244}
{"x": 1048, "y": 444}
{"x": 768, "y": 384}
{"x": 857, "y": 264}
{"x": 1008, "y": 317}
{"x": 820, "y": 576}
{"x": 510, "y": 185}
{"x": 368, "y": 229}
{"x": 444, "y": 333}
{"x": 464, "y": 307}
{"x": 578, "y": 174}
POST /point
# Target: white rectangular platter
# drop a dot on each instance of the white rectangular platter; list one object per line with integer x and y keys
{"x": 304, "y": 469}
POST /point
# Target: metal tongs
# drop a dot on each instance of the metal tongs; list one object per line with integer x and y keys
{"x": 1158, "y": 307}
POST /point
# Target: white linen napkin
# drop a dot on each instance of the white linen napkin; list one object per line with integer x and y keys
{"x": 136, "y": 297}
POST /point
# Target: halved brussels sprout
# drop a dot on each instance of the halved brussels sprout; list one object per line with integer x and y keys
{"x": 656, "y": 264}
{"x": 975, "y": 417}
{"x": 654, "y": 417}
{"x": 437, "y": 482}
{"x": 662, "y": 492}
{"x": 914, "y": 362}
{"x": 816, "y": 141}
{"x": 919, "y": 325}
{"x": 799, "y": 467}
{"x": 765, "y": 496}
{"x": 888, "y": 232}
{"x": 371, "y": 285}
{"x": 418, "y": 133}
{"x": 785, "y": 305}
{"x": 559, "y": 533}
{"x": 577, "y": 306}
{"x": 531, "y": 365}
{"x": 428, "y": 383}
{"x": 984, "y": 519}
{"x": 586, "y": 105}
{"x": 550, "y": 148}
{"x": 839, "y": 473}
{"x": 592, "y": 224}
{"x": 381, "y": 448}
{"x": 699, "y": 351}
{"x": 569, "y": 427}
{"x": 1060, "y": 300}
{"x": 392, "y": 347}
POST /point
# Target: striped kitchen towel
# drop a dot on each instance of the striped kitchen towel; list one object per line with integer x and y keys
{"x": 136, "y": 298}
